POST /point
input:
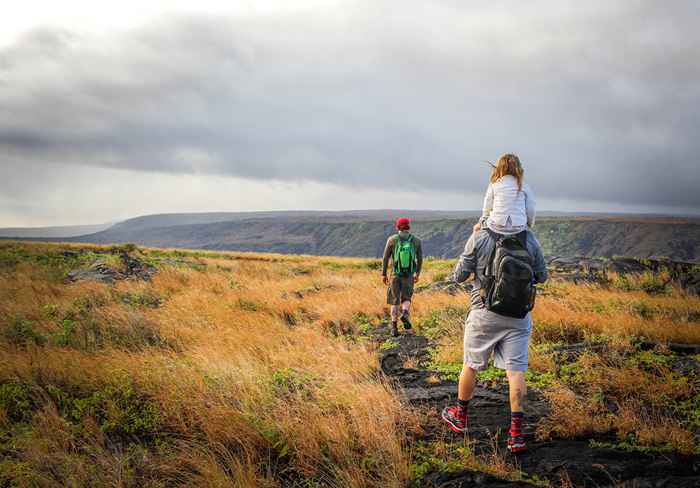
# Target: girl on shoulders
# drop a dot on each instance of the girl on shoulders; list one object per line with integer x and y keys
{"x": 509, "y": 204}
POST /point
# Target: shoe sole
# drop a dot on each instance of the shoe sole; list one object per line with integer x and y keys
{"x": 517, "y": 448}
{"x": 453, "y": 427}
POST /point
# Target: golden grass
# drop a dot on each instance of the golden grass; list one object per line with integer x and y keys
{"x": 250, "y": 370}
{"x": 249, "y": 386}
{"x": 610, "y": 393}
{"x": 572, "y": 312}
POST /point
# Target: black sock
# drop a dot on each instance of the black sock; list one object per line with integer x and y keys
{"x": 463, "y": 405}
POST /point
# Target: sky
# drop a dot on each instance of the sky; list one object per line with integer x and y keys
{"x": 109, "y": 112}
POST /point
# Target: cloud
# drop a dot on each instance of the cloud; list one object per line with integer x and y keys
{"x": 599, "y": 99}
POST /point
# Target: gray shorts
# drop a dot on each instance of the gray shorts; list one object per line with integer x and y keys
{"x": 507, "y": 338}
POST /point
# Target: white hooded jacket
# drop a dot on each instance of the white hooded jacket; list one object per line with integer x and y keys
{"x": 508, "y": 210}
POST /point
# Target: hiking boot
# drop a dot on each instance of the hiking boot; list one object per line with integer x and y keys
{"x": 406, "y": 322}
{"x": 394, "y": 330}
{"x": 516, "y": 442}
{"x": 456, "y": 422}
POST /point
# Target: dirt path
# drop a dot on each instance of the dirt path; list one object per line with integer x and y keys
{"x": 555, "y": 460}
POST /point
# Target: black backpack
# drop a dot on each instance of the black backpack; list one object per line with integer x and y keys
{"x": 509, "y": 280}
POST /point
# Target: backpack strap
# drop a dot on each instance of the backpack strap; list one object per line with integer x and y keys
{"x": 497, "y": 239}
{"x": 522, "y": 237}
{"x": 395, "y": 256}
{"x": 412, "y": 266}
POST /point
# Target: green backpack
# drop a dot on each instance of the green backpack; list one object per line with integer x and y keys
{"x": 404, "y": 256}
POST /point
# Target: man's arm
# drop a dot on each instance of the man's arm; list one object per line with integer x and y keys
{"x": 419, "y": 257}
{"x": 466, "y": 265}
{"x": 388, "y": 251}
{"x": 539, "y": 266}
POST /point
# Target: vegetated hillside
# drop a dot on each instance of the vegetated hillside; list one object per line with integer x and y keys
{"x": 135, "y": 367}
{"x": 168, "y": 220}
{"x": 365, "y": 236}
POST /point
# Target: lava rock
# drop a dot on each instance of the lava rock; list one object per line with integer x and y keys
{"x": 100, "y": 271}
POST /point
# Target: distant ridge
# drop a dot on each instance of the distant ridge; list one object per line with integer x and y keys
{"x": 364, "y": 232}
{"x": 53, "y": 232}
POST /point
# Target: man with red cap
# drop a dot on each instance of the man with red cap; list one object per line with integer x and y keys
{"x": 406, "y": 254}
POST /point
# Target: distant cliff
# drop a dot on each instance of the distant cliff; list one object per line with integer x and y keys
{"x": 364, "y": 234}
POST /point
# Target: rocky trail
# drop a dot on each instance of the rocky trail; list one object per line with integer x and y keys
{"x": 563, "y": 462}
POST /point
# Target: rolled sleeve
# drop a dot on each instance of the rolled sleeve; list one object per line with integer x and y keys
{"x": 539, "y": 265}
{"x": 388, "y": 251}
{"x": 466, "y": 265}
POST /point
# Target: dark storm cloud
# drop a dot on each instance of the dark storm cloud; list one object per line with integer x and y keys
{"x": 600, "y": 99}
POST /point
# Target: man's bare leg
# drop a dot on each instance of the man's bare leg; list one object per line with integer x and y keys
{"x": 394, "y": 319}
{"x": 517, "y": 390}
{"x": 394, "y": 313}
{"x": 456, "y": 416}
{"x": 467, "y": 382}
{"x": 405, "y": 315}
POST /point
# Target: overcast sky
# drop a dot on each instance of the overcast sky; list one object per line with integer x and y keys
{"x": 113, "y": 112}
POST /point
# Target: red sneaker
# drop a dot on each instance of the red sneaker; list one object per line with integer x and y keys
{"x": 456, "y": 422}
{"x": 516, "y": 442}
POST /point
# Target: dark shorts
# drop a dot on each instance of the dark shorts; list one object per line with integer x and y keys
{"x": 400, "y": 290}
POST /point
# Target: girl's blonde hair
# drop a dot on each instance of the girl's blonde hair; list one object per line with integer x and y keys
{"x": 508, "y": 164}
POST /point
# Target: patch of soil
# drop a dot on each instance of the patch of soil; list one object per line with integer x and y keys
{"x": 556, "y": 460}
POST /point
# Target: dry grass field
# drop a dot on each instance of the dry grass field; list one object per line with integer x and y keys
{"x": 239, "y": 369}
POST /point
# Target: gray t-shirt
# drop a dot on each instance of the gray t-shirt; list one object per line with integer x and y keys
{"x": 476, "y": 256}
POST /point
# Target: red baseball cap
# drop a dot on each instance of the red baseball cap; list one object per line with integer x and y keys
{"x": 403, "y": 223}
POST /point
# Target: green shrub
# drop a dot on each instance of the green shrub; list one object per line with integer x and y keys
{"x": 288, "y": 381}
{"x": 16, "y": 401}
{"x": 643, "y": 309}
{"x": 389, "y": 344}
{"x": 20, "y": 332}
{"x": 539, "y": 380}
{"x": 50, "y": 311}
{"x": 65, "y": 336}
{"x": 373, "y": 265}
{"x": 248, "y": 305}
{"x": 364, "y": 323}
{"x": 442, "y": 322}
{"x": 119, "y": 410}
{"x": 136, "y": 334}
{"x": 438, "y": 277}
{"x": 146, "y": 298}
{"x": 88, "y": 303}
{"x": 448, "y": 371}
{"x": 650, "y": 282}
{"x": 128, "y": 247}
{"x": 332, "y": 265}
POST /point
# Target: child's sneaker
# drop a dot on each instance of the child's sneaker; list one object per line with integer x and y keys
{"x": 458, "y": 423}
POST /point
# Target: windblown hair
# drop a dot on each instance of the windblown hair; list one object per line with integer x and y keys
{"x": 508, "y": 164}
